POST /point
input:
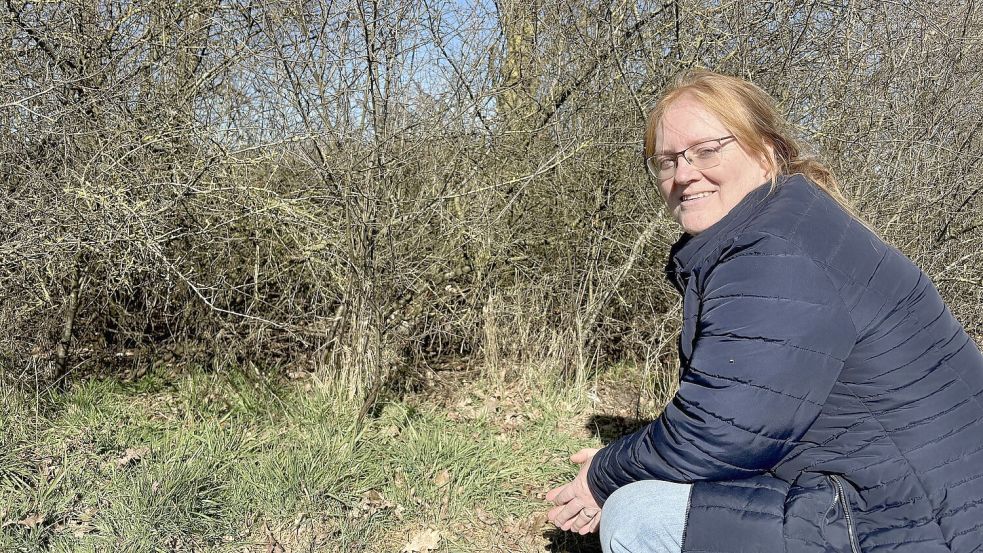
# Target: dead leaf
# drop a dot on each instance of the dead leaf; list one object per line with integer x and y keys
{"x": 47, "y": 469}
{"x": 442, "y": 479}
{"x": 298, "y": 374}
{"x": 484, "y": 516}
{"x": 300, "y": 520}
{"x": 81, "y": 530}
{"x": 273, "y": 546}
{"x": 536, "y": 523}
{"x": 422, "y": 541}
{"x": 132, "y": 456}
{"x": 512, "y": 526}
{"x": 490, "y": 406}
{"x": 372, "y": 502}
{"x": 82, "y": 524}
{"x": 88, "y": 514}
{"x": 32, "y": 521}
{"x": 444, "y": 505}
{"x": 390, "y": 431}
{"x": 513, "y": 421}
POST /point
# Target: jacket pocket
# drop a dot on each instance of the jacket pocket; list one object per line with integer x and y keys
{"x": 839, "y": 526}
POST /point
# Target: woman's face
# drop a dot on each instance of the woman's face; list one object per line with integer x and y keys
{"x": 699, "y": 198}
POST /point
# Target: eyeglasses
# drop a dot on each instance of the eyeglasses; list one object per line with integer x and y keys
{"x": 703, "y": 155}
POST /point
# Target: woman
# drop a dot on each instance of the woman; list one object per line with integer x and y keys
{"x": 828, "y": 399}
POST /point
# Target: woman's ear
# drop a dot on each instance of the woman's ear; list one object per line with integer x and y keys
{"x": 768, "y": 161}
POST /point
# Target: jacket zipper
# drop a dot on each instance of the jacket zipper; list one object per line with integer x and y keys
{"x": 851, "y": 531}
{"x": 689, "y": 499}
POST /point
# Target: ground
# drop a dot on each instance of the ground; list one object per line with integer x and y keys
{"x": 229, "y": 461}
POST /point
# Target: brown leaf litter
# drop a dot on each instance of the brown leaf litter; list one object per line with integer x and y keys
{"x": 422, "y": 541}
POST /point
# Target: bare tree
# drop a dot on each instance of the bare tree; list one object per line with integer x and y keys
{"x": 366, "y": 186}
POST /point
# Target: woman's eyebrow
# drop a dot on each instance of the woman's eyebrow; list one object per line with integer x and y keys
{"x": 691, "y": 144}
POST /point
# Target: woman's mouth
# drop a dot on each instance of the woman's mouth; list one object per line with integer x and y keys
{"x": 692, "y": 197}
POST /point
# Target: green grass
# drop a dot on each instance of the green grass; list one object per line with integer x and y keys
{"x": 226, "y": 462}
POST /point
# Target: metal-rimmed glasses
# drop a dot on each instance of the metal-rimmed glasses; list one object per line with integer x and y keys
{"x": 702, "y": 155}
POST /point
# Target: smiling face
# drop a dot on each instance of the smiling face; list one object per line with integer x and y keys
{"x": 699, "y": 198}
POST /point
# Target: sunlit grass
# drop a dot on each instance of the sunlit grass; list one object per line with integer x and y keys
{"x": 229, "y": 462}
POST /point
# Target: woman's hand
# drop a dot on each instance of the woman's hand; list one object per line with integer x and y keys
{"x": 576, "y": 509}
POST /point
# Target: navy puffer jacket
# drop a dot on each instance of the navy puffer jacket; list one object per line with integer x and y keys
{"x": 829, "y": 401}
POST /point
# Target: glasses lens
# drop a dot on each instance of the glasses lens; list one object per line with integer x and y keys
{"x": 667, "y": 170}
{"x": 652, "y": 166}
{"x": 704, "y": 156}
{"x": 660, "y": 168}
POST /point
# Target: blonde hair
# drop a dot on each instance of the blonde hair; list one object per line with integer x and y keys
{"x": 749, "y": 114}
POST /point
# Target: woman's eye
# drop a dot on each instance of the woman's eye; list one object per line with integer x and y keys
{"x": 705, "y": 152}
{"x": 666, "y": 163}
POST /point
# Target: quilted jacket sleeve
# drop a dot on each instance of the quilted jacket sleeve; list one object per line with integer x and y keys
{"x": 770, "y": 339}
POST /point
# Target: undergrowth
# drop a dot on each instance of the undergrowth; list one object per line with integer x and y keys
{"x": 231, "y": 462}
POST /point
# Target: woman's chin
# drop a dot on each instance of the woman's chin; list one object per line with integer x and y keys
{"x": 694, "y": 225}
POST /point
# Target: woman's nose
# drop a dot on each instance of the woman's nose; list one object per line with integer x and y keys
{"x": 685, "y": 172}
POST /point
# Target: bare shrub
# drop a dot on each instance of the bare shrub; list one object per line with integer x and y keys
{"x": 359, "y": 186}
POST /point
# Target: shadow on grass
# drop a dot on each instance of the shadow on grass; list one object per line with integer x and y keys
{"x": 609, "y": 428}
{"x": 568, "y": 542}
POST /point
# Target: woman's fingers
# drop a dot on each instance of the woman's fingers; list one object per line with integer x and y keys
{"x": 551, "y": 495}
{"x": 591, "y": 526}
{"x": 585, "y": 521}
{"x": 562, "y": 494}
{"x": 582, "y": 521}
{"x": 562, "y": 515}
{"x": 583, "y": 455}
{"x": 572, "y": 498}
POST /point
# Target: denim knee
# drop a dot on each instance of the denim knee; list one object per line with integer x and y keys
{"x": 648, "y": 516}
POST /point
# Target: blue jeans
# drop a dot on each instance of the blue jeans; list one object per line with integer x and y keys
{"x": 648, "y": 516}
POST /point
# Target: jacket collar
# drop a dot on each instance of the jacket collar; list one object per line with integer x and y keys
{"x": 690, "y": 249}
